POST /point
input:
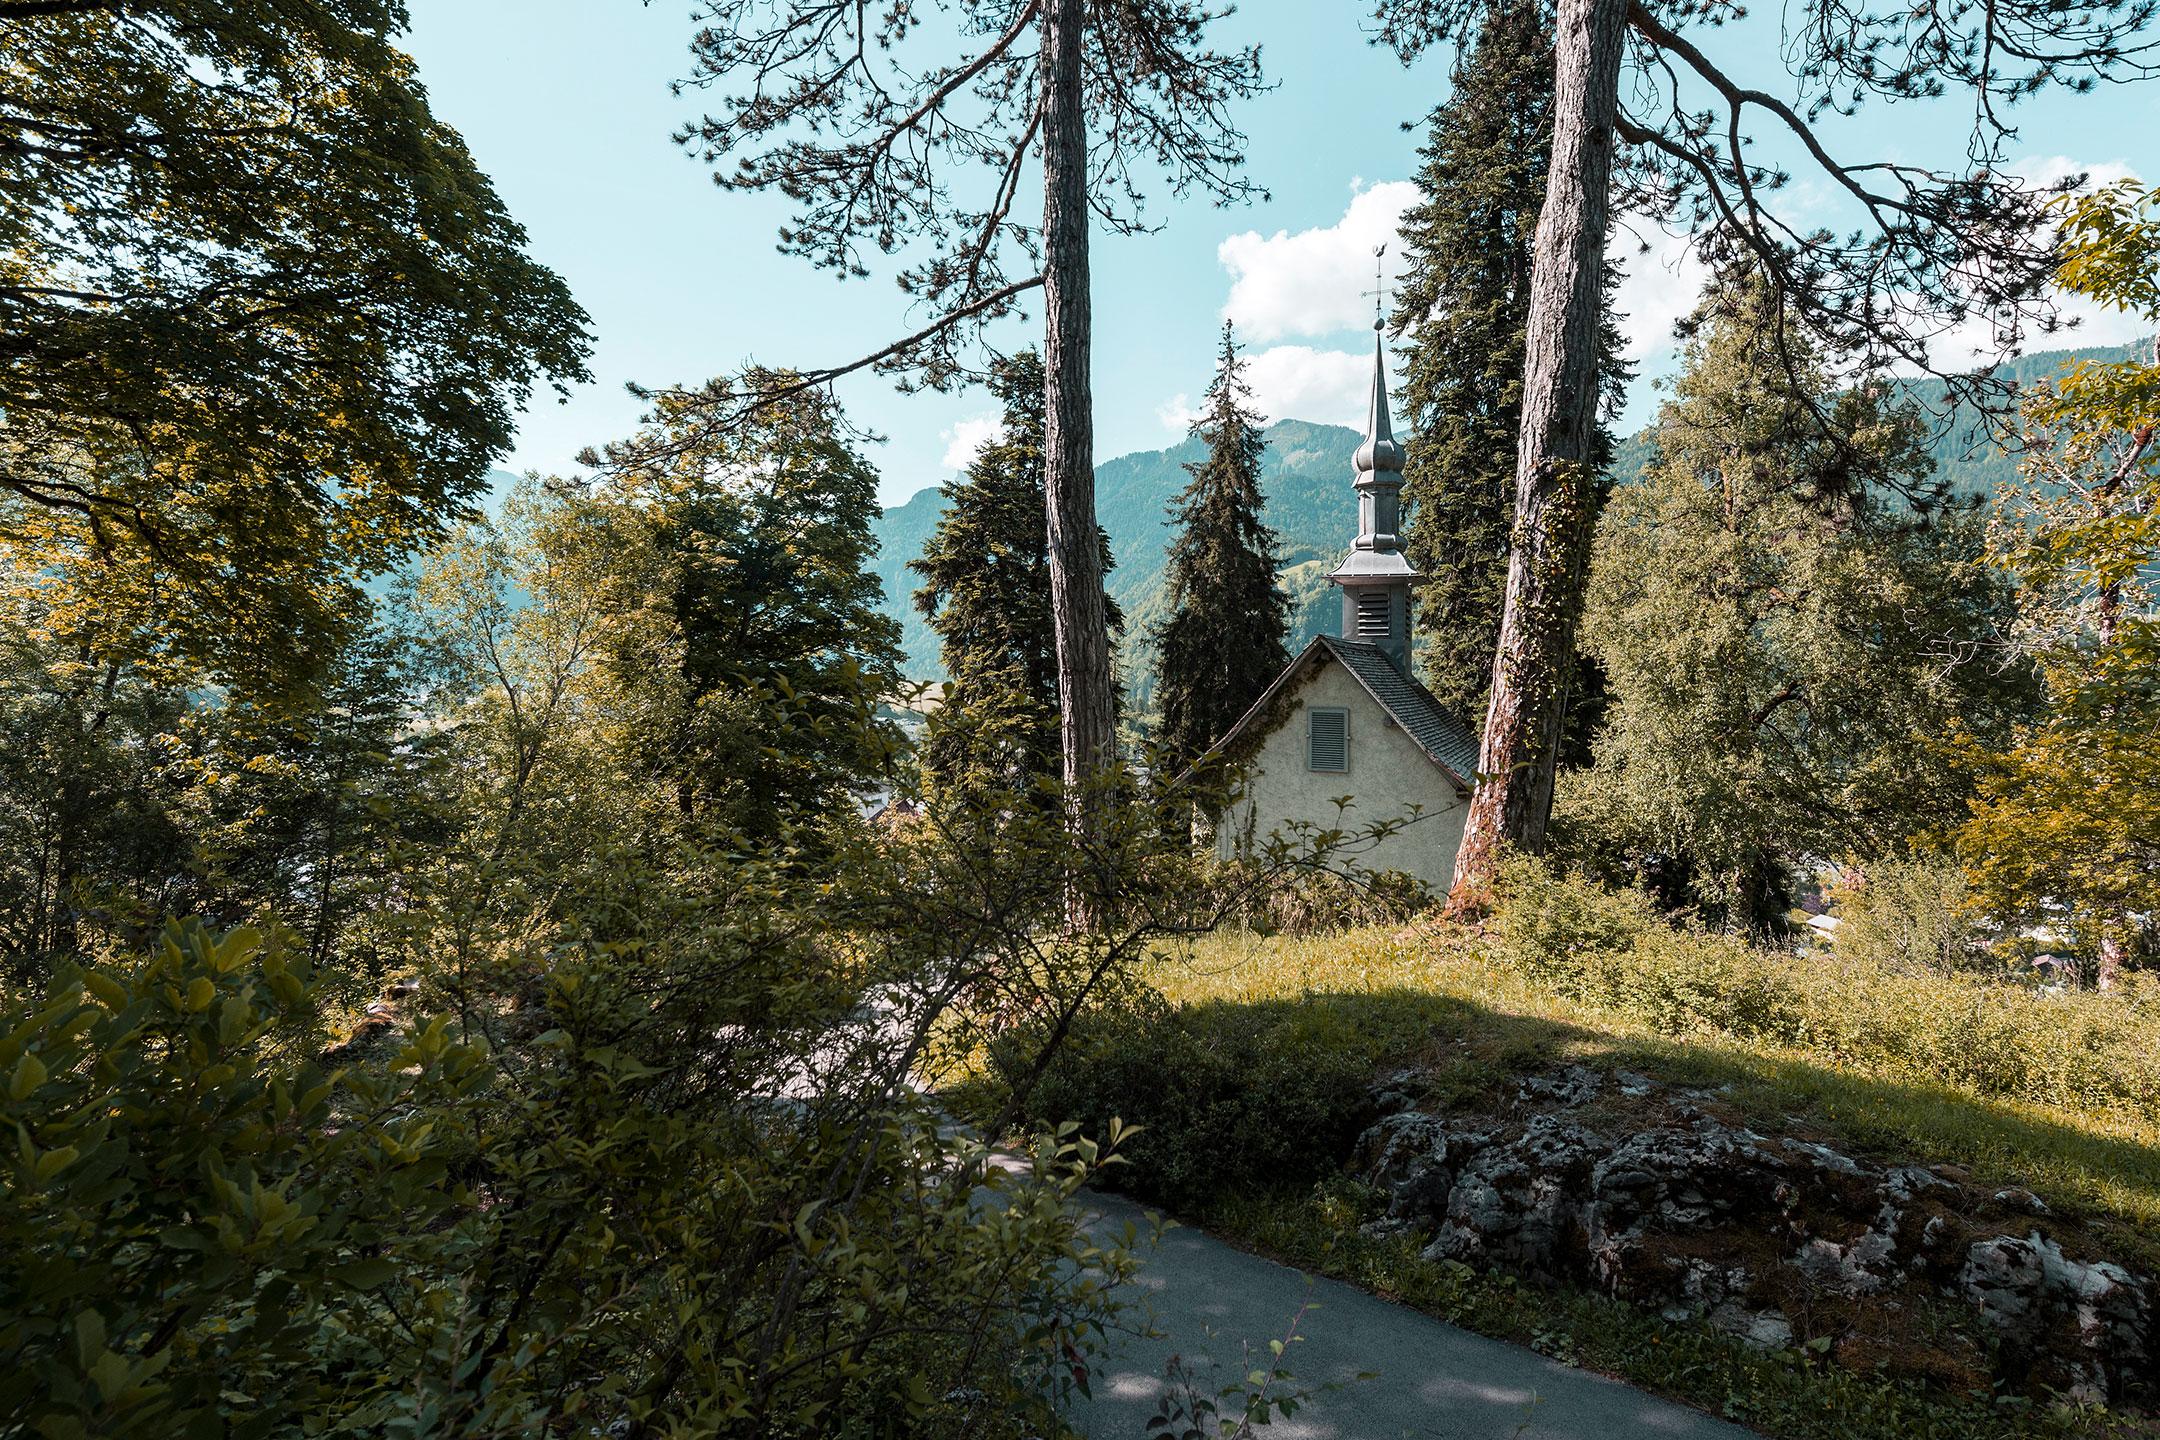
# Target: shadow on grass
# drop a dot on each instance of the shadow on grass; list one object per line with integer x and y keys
{"x": 1267, "y": 1092}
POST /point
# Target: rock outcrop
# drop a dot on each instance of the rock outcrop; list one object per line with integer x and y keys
{"x": 1660, "y": 1196}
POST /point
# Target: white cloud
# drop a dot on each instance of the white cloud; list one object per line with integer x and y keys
{"x": 2086, "y": 325}
{"x": 969, "y": 436}
{"x": 1658, "y": 285}
{"x": 1297, "y": 382}
{"x": 1315, "y": 282}
{"x": 2054, "y": 169}
{"x": 1177, "y": 413}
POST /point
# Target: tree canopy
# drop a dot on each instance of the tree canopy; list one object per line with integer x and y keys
{"x": 264, "y": 325}
{"x": 1786, "y": 645}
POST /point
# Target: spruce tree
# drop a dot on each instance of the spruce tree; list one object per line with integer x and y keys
{"x": 1225, "y": 639}
{"x": 1462, "y": 308}
{"x": 986, "y": 592}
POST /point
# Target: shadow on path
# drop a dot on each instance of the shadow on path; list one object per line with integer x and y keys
{"x": 1432, "y": 1381}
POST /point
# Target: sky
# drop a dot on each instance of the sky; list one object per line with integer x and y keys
{"x": 566, "y": 105}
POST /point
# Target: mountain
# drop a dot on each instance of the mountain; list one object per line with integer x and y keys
{"x": 1310, "y": 504}
{"x": 1306, "y": 474}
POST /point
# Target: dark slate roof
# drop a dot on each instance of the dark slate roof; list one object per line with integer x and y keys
{"x": 1448, "y": 741}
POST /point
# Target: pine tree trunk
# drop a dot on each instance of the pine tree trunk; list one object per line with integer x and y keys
{"x": 1555, "y": 489}
{"x": 1086, "y": 707}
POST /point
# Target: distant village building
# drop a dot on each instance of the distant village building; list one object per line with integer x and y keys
{"x": 1347, "y": 717}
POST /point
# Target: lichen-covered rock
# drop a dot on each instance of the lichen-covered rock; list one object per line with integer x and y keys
{"x": 1519, "y": 1205}
{"x": 1657, "y": 1196}
{"x": 2036, "y": 1298}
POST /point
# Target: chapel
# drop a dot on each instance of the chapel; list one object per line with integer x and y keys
{"x": 1347, "y": 717}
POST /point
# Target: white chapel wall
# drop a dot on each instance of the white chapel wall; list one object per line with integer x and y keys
{"x": 1388, "y": 775}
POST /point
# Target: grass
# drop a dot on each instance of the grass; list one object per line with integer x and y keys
{"x": 1485, "y": 1016}
{"x": 1250, "y": 1072}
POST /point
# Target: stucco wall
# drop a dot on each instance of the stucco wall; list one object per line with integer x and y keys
{"x": 1388, "y": 775}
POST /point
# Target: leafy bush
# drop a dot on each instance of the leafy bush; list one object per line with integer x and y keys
{"x": 1908, "y": 915}
{"x": 1228, "y": 1097}
{"x": 2089, "y": 1052}
{"x": 207, "y": 1234}
{"x": 1316, "y": 900}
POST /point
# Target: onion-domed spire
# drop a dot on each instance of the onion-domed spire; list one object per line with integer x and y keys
{"x": 1376, "y": 576}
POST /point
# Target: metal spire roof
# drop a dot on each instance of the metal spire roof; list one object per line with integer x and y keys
{"x": 1381, "y": 450}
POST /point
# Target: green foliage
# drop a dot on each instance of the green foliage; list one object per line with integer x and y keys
{"x": 263, "y": 324}
{"x": 2065, "y": 829}
{"x": 196, "y": 1214}
{"x": 1463, "y": 306}
{"x": 1226, "y": 1098}
{"x": 1911, "y": 914}
{"x": 1224, "y": 641}
{"x": 986, "y": 593}
{"x": 749, "y": 549}
{"x": 1983, "y": 1036}
{"x": 1783, "y": 646}
{"x": 582, "y": 1206}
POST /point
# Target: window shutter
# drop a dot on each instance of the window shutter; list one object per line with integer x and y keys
{"x": 1327, "y": 740}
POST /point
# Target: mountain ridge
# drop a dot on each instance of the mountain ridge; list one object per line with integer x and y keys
{"x": 1313, "y": 510}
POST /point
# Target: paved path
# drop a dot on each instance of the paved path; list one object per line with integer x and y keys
{"x": 1433, "y": 1381}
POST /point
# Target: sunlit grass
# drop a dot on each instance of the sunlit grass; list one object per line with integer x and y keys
{"x": 1866, "y": 1084}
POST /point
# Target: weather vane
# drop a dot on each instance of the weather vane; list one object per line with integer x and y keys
{"x": 1379, "y": 290}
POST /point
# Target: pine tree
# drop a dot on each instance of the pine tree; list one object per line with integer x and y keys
{"x": 1229, "y": 620}
{"x": 1463, "y": 306}
{"x": 986, "y": 592}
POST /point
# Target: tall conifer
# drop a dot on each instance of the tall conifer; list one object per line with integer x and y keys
{"x": 986, "y": 592}
{"x": 1229, "y": 620}
{"x": 1462, "y": 309}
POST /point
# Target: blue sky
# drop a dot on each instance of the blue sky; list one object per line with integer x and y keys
{"x": 565, "y": 103}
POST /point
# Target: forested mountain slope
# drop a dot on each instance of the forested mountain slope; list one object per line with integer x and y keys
{"x": 1314, "y": 511}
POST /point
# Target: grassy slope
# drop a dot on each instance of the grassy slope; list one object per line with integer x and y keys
{"x": 1445, "y": 1001}
{"x": 2100, "y": 1162}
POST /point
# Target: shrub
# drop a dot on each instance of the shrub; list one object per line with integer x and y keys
{"x": 1908, "y": 915}
{"x": 1227, "y": 1096}
{"x": 2082, "y": 1051}
{"x": 206, "y": 1234}
{"x": 1313, "y": 900}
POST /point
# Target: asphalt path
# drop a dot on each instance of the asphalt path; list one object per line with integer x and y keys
{"x": 1430, "y": 1381}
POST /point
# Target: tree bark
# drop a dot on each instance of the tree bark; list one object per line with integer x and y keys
{"x": 1086, "y": 708}
{"x": 2108, "y": 969}
{"x": 1554, "y": 478}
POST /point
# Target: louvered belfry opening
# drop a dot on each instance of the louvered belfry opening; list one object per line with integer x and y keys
{"x": 1375, "y": 618}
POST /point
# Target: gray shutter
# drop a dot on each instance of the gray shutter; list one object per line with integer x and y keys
{"x": 1327, "y": 739}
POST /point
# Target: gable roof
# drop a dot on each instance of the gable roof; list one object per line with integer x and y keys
{"x": 1446, "y": 741}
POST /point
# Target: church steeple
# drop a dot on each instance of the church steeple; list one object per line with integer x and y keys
{"x": 1376, "y": 576}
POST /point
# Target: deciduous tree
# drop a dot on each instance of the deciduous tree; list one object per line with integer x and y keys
{"x": 264, "y": 325}
{"x": 2067, "y": 822}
